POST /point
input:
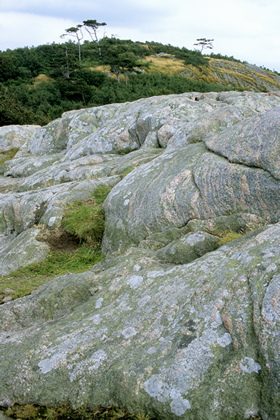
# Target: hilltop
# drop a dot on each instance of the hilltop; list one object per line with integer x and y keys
{"x": 38, "y": 84}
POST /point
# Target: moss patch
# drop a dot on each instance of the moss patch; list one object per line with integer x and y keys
{"x": 229, "y": 236}
{"x": 7, "y": 155}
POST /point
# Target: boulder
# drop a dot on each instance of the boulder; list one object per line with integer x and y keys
{"x": 254, "y": 143}
{"x": 86, "y": 167}
{"x": 25, "y": 166}
{"x": 219, "y": 226}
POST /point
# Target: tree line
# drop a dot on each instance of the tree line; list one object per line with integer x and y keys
{"x": 70, "y": 79}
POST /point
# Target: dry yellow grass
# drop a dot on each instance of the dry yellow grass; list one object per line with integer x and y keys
{"x": 236, "y": 73}
{"x": 157, "y": 64}
{"x": 41, "y": 78}
{"x": 203, "y": 73}
{"x": 104, "y": 69}
{"x": 164, "y": 64}
{"x": 268, "y": 79}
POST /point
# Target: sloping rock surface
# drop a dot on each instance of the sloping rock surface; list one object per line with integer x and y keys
{"x": 193, "y": 340}
{"x": 25, "y": 247}
{"x": 170, "y": 323}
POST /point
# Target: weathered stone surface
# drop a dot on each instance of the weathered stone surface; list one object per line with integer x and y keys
{"x": 166, "y": 323}
{"x": 15, "y": 136}
{"x": 22, "y": 251}
{"x": 86, "y": 167}
{"x": 7, "y": 183}
{"x": 27, "y": 165}
{"x": 191, "y": 341}
{"x": 239, "y": 223}
{"x": 188, "y": 248}
{"x": 144, "y": 201}
{"x": 181, "y": 185}
{"x": 254, "y": 143}
{"x": 3, "y": 417}
{"x": 21, "y": 211}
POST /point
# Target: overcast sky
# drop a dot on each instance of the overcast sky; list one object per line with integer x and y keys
{"x": 246, "y": 29}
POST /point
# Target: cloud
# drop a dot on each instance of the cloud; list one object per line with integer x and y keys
{"x": 122, "y": 10}
{"x": 20, "y": 30}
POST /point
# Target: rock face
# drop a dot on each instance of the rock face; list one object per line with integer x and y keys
{"x": 170, "y": 323}
{"x": 24, "y": 248}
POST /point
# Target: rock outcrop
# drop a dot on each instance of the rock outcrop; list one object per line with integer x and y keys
{"x": 171, "y": 322}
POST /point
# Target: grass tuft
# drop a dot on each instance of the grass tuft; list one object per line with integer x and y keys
{"x": 86, "y": 220}
{"x": 24, "y": 280}
{"x": 126, "y": 171}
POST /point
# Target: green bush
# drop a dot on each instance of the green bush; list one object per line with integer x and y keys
{"x": 74, "y": 84}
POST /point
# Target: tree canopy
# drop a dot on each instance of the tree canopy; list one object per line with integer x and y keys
{"x": 204, "y": 43}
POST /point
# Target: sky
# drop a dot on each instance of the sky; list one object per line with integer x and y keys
{"x": 248, "y": 30}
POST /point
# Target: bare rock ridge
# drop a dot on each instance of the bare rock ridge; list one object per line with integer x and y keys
{"x": 170, "y": 323}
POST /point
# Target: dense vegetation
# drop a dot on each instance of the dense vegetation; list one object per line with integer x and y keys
{"x": 38, "y": 84}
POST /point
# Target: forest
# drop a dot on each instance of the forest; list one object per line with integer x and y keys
{"x": 38, "y": 84}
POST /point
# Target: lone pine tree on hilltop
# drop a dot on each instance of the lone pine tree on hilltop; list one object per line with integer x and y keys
{"x": 204, "y": 43}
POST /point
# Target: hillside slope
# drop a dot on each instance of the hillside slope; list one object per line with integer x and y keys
{"x": 234, "y": 75}
{"x": 244, "y": 75}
